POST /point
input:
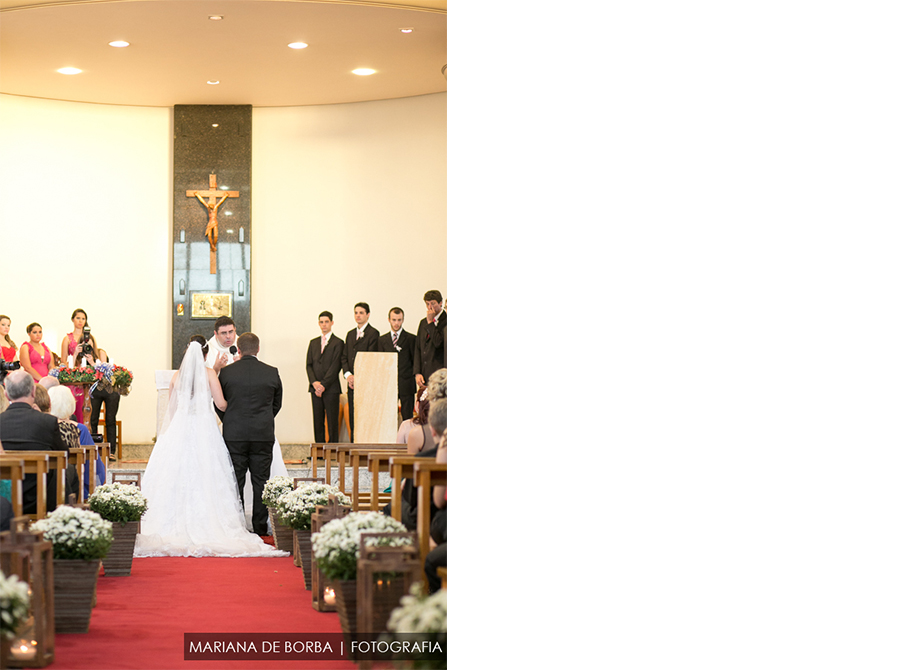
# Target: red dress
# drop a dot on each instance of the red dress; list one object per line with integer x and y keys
{"x": 9, "y": 353}
{"x": 40, "y": 362}
{"x": 77, "y": 391}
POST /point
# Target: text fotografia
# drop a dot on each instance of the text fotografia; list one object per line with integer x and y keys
{"x": 311, "y": 646}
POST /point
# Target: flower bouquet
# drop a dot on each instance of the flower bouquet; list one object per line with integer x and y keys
{"x": 294, "y": 508}
{"x": 336, "y": 548}
{"x": 76, "y": 533}
{"x": 274, "y": 488}
{"x": 421, "y": 622}
{"x": 14, "y": 604}
{"x": 120, "y": 503}
{"x": 124, "y": 505}
{"x": 336, "y": 545}
{"x": 83, "y": 375}
{"x": 113, "y": 378}
{"x": 80, "y": 539}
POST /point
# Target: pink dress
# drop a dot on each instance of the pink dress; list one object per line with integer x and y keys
{"x": 77, "y": 391}
{"x": 40, "y": 363}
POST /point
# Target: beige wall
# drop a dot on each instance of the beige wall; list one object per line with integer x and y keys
{"x": 349, "y": 204}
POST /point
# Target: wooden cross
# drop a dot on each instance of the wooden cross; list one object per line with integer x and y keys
{"x": 212, "y": 206}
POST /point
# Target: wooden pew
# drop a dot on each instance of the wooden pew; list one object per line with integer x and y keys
{"x": 359, "y": 458}
{"x": 13, "y": 468}
{"x": 36, "y": 463}
{"x": 339, "y": 451}
{"x": 381, "y": 462}
{"x": 103, "y": 451}
{"x": 80, "y": 456}
{"x": 402, "y": 468}
{"x": 426, "y": 475}
{"x": 91, "y": 461}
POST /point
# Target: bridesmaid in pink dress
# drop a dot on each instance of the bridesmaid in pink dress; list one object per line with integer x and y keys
{"x": 72, "y": 346}
{"x": 8, "y": 348}
{"x": 34, "y": 355}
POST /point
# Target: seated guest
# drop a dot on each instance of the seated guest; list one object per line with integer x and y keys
{"x": 62, "y": 406}
{"x": 409, "y": 504}
{"x": 48, "y": 382}
{"x": 6, "y": 508}
{"x": 419, "y": 437}
{"x": 68, "y": 429}
{"x": 26, "y": 429}
{"x": 437, "y": 384}
{"x": 437, "y": 557}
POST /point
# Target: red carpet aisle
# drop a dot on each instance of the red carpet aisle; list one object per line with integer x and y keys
{"x": 140, "y": 621}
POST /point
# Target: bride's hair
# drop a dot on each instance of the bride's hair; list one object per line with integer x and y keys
{"x": 199, "y": 339}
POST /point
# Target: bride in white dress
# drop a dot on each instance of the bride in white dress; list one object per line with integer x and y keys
{"x": 193, "y": 505}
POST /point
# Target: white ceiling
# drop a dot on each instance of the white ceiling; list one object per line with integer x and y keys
{"x": 175, "y": 49}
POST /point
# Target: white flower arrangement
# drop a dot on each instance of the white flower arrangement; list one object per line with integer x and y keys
{"x": 295, "y": 508}
{"x": 336, "y": 545}
{"x": 14, "y": 604}
{"x": 274, "y": 488}
{"x": 119, "y": 503}
{"x": 76, "y": 533}
{"x": 420, "y": 613}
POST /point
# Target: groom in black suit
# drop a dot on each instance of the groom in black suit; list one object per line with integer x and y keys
{"x": 253, "y": 392}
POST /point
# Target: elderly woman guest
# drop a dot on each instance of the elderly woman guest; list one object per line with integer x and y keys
{"x": 8, "y": 348}
{"x": 62, "y": 406}
{"x": 68, "y": 430}
{"x": 83, "y": 352}
{"x": 34, "y": 355}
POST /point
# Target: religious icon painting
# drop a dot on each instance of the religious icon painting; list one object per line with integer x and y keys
{"x": 211, "y": 305}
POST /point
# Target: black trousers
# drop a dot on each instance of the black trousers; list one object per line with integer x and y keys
{"x": 257, "y": 457}
{"x": 350, "y": 408}
{"x": 407, "y": 404}
{"x": 436, "y": 558}
{"x": 112, "y": 408}
{"x": 326, "y": 408}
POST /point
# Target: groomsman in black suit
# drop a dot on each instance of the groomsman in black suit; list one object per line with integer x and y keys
{"x": 323, "y": 367}
{"x": 362, "y": 338}
{"x": 404, "y": 345}
{"x": 431, "y": 339}
{"x": 254, "y": 394}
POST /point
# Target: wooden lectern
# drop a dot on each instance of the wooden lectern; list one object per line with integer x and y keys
{"x": 375, "y": 398}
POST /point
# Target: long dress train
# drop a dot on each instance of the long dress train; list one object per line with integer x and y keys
{"x": 189, "y": 482}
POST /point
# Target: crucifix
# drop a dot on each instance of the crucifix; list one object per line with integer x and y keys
{"x": 212, "y": 206}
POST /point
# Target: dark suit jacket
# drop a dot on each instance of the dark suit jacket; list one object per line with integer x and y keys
{"x": 325, "y": 367}
{"x": 253, "y": 391}
{"x": 406, "y": 379}
{"x": 23, "y": 428}
{"x": 368, "y": 342}
{"x": 431, "y": 346}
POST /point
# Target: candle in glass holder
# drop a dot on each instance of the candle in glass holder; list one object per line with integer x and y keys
{"x": 329, "y": 596}
{"x": 23, "y": 650}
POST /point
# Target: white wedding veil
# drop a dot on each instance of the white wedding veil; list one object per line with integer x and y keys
{"x": 191, "y": 392}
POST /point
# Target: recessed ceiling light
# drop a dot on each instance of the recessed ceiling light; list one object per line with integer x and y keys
{"x": 363, "y": 71}
{"x": 119, "y": 43}
{"x": 69, "y": 70}
{"x": 213, "y": 82}
{"x": 298, "y": 45}
{"x": 216, "y": 18}
{"x": 406, "y": 30}
{"x": 215, "y": 125}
